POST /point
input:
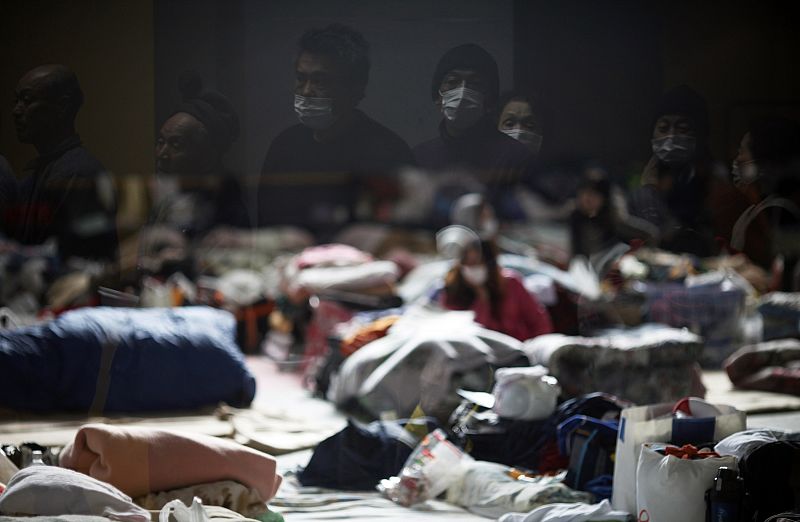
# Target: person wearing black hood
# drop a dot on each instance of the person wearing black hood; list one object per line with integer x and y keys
{"x": 465, "y": 88}
{"x": 194, "y": 190}
{"x": 678, "y": 180}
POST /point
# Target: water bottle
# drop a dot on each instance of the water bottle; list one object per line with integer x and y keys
{"x": 724, "y": 499}
{"x": 37, "y": 458}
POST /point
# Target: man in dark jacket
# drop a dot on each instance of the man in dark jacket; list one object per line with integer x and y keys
{"x": 337, "y": 164}
{"x": 65, "y": 193}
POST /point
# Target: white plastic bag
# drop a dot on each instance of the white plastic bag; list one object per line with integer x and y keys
{"x": 663, "y": 480}
{"x": 181, "y": 513}
{"x": 655, "y": 423}
{"x": 525, "y": 393}
{"x": 430, "y": 469}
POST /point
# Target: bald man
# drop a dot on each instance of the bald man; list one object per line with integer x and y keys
{"x": 65, "y": 193}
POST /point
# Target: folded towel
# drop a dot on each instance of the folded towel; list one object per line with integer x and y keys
{"x": 140, "y": 460}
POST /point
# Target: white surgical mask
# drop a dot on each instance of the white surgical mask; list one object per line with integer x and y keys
{"x": 475, "y": 275}
{"x": 314, "y": 113}
{"x": 745, "y": 173}
{"x": 462, "y": 107}
{"x": 675, "y": 148}
{"x": 530, "y": 139}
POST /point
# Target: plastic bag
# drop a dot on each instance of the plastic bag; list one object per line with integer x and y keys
{"x": 656, "y": 423}
{"x": 525, "y": 393}
{"x": 430, "y": 469}
{"x": 181, "y": 513}
{"x": 661, "y": 481}
{"x": 491, "y": 490}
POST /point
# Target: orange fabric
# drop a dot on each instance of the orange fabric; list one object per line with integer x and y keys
{"x": 368, "y": 333}
{"x": 139, "y": 461}
{"x": 689, "y": 452}
{"x": 249, "y": 315}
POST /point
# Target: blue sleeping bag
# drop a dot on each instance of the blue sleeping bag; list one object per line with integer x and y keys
{"x": 125, "y": 360}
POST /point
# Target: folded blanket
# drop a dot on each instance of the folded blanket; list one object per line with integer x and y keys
{"x": 140, "y": 460}
{"x": 50, "y": 490}
{"x": 772, "y": 366}
{"x": 647, "y": 364}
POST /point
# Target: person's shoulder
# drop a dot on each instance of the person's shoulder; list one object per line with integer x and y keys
{"x": 381, "y": 142}
{"x": 78, "y": 161}
{"x": 287, "y": 146}
{"x": 429, "y": 152}
{"x": 429, "y": 145}
{"x": 514, "y": 283}
{"x": 376, "y": 131}
{"x": 509, "y": 274}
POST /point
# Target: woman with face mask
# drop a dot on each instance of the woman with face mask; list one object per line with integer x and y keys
{"x": 520, "y": 120}
{"x": 497, "y": 296}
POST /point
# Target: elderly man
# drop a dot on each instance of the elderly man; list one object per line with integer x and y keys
{"x": 337, "y": 164}
{"x": 65, "y": 193}
{"x": 190, "y": 149}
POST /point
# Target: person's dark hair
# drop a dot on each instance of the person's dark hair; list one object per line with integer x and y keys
{"x": 460, "y": 295}
{"x": 61, "y": 86}
{"x": 519, "y": 96}
{"x": 344, "y": 44}
{"x": 211, "y": 108}
{"x": 685, "y": 100}
{"x": 473, "y": 57}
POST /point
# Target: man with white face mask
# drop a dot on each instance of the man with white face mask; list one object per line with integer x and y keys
{"x": 465, "y": 89}
{"x": 336, "y": 161}
{"x": 678, "y": 182}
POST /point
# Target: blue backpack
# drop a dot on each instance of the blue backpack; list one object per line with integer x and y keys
{"x": 590, "y": 445}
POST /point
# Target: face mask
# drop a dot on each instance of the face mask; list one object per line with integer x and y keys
{"x": 745, "y": 173}
{"x": 475, "y": 275}
{"x": 314, "y": 113}
{"x": 462, "y": 107}
{"x": 674, "y": 149}
{"x": 530, "y": 139}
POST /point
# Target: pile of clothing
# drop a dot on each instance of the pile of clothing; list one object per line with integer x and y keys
{"x": 124, "y": 473}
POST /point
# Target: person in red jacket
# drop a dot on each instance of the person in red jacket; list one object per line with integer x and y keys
{"x": 497, "y": 296}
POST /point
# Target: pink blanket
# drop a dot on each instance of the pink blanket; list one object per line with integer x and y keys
{"x": 139, "y": 461}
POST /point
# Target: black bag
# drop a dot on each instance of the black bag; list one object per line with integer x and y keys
{"x": 770, "y": 474}
{"x": 531, "y": 445}
{"x": 360, "y": 456}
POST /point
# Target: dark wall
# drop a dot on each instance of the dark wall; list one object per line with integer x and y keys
{"x": 743, "y": 57}
{"x": 601, "y": 66}
{"x": 597, "y": 70}
{"x": 109, "y": 45}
